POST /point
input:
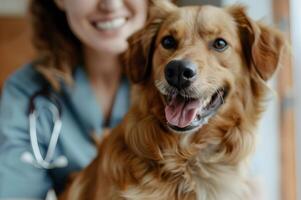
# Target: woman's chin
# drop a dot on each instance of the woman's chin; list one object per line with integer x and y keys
{"x": 113, "y": 47}
{"x": 117, "y": 49}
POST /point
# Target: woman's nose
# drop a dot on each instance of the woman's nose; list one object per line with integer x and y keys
{"x": 110, "y": 5}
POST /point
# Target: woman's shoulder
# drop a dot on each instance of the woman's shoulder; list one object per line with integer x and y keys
{"x": 26, "y": 79}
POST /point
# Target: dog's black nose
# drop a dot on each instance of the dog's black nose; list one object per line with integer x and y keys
{"x": 180, "y": 73}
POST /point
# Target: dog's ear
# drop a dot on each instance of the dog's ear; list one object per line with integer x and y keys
{"x": 138, "y": 58}
{"x": 265, "y": 48}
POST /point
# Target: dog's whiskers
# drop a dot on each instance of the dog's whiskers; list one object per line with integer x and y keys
{"x": 162, "y": 87}
{"x": 190, "y": 93}
{"x": 219, "y": 92}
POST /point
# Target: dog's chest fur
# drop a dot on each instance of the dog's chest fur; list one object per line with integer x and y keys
{"x": 184, "y": 175}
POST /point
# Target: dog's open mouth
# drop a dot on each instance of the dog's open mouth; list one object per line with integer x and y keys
{"x": 185, "y": 114}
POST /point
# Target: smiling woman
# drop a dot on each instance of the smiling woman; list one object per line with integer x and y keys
{"x": 78, "y": 47}
{"x": 106, "y": 32}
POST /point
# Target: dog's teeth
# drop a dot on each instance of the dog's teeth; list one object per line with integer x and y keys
{"x": 197, "y": 118}
{"x": 206, "y": 102}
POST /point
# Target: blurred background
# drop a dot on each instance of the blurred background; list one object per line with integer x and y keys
{"x": 278, "y": 156}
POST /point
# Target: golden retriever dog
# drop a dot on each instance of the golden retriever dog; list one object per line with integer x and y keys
{"x": 199, "y": 83}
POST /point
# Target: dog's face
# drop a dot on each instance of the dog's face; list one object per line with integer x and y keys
{"x": 195, "y": 64}
{"x": 202, "y": 60}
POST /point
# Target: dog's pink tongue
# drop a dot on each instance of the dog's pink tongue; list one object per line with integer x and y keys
{"x": 181, "y": 113}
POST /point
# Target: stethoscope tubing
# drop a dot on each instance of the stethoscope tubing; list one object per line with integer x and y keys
{"x": 37, "y": 159}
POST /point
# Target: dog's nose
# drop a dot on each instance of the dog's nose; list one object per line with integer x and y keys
{"x": 180, "y": 73}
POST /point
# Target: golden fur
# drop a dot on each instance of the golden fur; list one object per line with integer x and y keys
{"x": 142, "y": 158}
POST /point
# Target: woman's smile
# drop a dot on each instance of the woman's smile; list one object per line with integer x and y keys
{"x": 110, "y": 24}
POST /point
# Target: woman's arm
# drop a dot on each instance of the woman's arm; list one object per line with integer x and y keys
{"x": 18, "y": 179}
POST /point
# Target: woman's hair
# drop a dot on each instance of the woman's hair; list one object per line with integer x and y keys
{"x": 58, "y": 49}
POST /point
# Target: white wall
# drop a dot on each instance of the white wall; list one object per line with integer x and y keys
{"x": 13, "y": 7}
{"x": 266, "y": 162}
{"x": 296, "y": 44}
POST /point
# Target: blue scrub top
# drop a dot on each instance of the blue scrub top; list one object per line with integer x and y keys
{"x": 81, "y": 117}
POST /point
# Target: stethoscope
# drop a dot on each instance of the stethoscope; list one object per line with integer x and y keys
{"x": 35, "y": 158}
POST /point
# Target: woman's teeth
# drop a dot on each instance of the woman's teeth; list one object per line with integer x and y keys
{"x": 112, "y": 24}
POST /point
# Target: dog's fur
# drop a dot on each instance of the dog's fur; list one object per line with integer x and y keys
{"x": 142, "y": 158}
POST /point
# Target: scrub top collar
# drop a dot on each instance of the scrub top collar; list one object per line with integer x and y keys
{"x": 86, "y": 107}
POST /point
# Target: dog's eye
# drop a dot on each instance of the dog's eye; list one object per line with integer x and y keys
{"x": 220, "y": 44}
{"x": 169, "y": 42}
